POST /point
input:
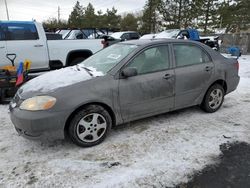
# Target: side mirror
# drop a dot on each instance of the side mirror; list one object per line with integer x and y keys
{"x": 129, "y": 72}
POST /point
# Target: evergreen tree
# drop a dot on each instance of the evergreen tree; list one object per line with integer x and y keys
{"x": 208, "y": 15}
{"x": 149, "y": 19}
{"x": 178, "y": 14}
{"x": 242, "y": 14}
{"x": 111, "y": 19}
{"x": 76, "y": 16}
{"x": 89, "y": 17}
{"x": 100, "y": 19}
{"x": 129, "y": 22}
{"x": 52, "y": 23}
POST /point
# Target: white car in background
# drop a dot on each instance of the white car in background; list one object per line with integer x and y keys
{"x": 125, "y": 35}
{"x": 148, "y": 36}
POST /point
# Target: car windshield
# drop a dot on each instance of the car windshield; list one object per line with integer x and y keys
{"x": 106, "y": 59}
{"x": 171, "y": 33}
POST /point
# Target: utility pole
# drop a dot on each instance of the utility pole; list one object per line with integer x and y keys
{"x": 7, "y": 12}
{"x": 58, "y": 14}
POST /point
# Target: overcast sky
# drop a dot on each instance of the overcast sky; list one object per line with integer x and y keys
{"x": 44, "y": 9}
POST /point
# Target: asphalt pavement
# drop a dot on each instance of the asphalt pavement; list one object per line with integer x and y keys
{"x": 232, "y": 170}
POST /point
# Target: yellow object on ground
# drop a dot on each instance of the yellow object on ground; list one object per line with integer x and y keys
{"x": 9, "y": 68}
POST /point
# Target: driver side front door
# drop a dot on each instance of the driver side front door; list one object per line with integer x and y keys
{"x": 151, "y": 92}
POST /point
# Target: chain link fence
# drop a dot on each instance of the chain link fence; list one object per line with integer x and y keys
{"x": 241, "y": 41}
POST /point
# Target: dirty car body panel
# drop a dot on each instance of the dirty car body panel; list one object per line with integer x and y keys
{"x": 169, "y": 86}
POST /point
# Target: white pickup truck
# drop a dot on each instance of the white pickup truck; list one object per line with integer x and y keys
{"x": 27, "y": 40}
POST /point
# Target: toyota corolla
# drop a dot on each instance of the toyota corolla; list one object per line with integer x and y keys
{"x": 122, "y": 83}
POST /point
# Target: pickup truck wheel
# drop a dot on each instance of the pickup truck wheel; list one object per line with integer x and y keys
{"x": 76, "y": 61}
{"x": 213, "y": 98}
{"x": 90, "y": 126}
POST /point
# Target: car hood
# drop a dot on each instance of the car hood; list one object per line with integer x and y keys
{"x": 51, "y": 81}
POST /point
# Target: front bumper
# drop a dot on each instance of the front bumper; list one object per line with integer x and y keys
{"x": 37, "y": 124}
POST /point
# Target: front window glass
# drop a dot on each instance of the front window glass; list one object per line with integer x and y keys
{"x": 107, "y": 58}
{"x": 151, "y": 60}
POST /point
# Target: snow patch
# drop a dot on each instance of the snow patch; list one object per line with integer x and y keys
{"x": 60, "y": 78}
{"x": 160, "y": 151}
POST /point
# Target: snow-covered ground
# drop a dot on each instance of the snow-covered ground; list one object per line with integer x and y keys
{"x": 159, "y": 151}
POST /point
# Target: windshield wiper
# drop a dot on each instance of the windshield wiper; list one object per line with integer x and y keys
{"x": 85, "y": 68}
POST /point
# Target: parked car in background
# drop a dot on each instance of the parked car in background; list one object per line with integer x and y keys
{"x": 27, "y": 40}
{"x": 148, "y": 36}
{"x": 125, "y": 35}
{"x": 190, "y": 34}
{"x": 124, "y": 82}
{"x": 74, "y": 34}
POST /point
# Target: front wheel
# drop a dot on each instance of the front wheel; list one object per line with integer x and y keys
{"x": 213, "y": 98}
{"x": 90, "y": 126}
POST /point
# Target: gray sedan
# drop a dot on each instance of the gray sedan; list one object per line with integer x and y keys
{"x": 124, "y": 82}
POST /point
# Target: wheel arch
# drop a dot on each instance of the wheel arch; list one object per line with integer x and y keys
{"x": 105, "y": 106}
{"x": 77, "y": 53}
{"x": 221, "y": 82}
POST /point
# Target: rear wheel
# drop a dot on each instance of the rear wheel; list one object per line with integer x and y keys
{"x": 90, "y": 126}
{"x": 213, "y": 98}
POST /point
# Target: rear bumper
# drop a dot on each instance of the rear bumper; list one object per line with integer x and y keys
{"x": 39, "y": 124}
{"x": 232, "y": 83}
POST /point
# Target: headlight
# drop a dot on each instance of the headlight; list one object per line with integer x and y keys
{"x": 38, "y": 103}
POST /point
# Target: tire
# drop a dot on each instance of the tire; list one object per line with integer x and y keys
{"x": 213, "y": 99}
{"x": 76, "y": 61}
{"x": 90, "y": 126}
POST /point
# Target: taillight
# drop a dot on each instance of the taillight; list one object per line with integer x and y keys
{"x": 237, "y": 65}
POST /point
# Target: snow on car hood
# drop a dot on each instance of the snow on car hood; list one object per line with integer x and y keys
{"x": 60, "y": 78}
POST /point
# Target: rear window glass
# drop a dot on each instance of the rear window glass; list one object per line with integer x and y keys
{"x": 186, "y": 54}
{"x": 134, "y": 36}
{"x": 21, "y": 31}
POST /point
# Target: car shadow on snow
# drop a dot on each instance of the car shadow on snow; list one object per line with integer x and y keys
{"x": 158, "y": 118}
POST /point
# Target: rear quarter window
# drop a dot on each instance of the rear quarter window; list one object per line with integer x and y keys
{"x": 134, "y": 36}
{"x": 21, "y": 31}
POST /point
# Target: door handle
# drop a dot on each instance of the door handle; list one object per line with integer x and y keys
{"x": 208, "y": 68}
{"x": 1, "y": 47}
{"x": 167, "y": 76}
{"x": 38, "y": 45}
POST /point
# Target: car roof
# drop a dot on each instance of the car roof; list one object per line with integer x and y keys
{"x": 146, "y": 42}
{"x": 18, "y": 22}
{"x": 121, "y": 32}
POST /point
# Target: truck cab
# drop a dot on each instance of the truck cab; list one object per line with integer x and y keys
{"x": 27, "y": 40}
{"x": 18, "y": 37}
